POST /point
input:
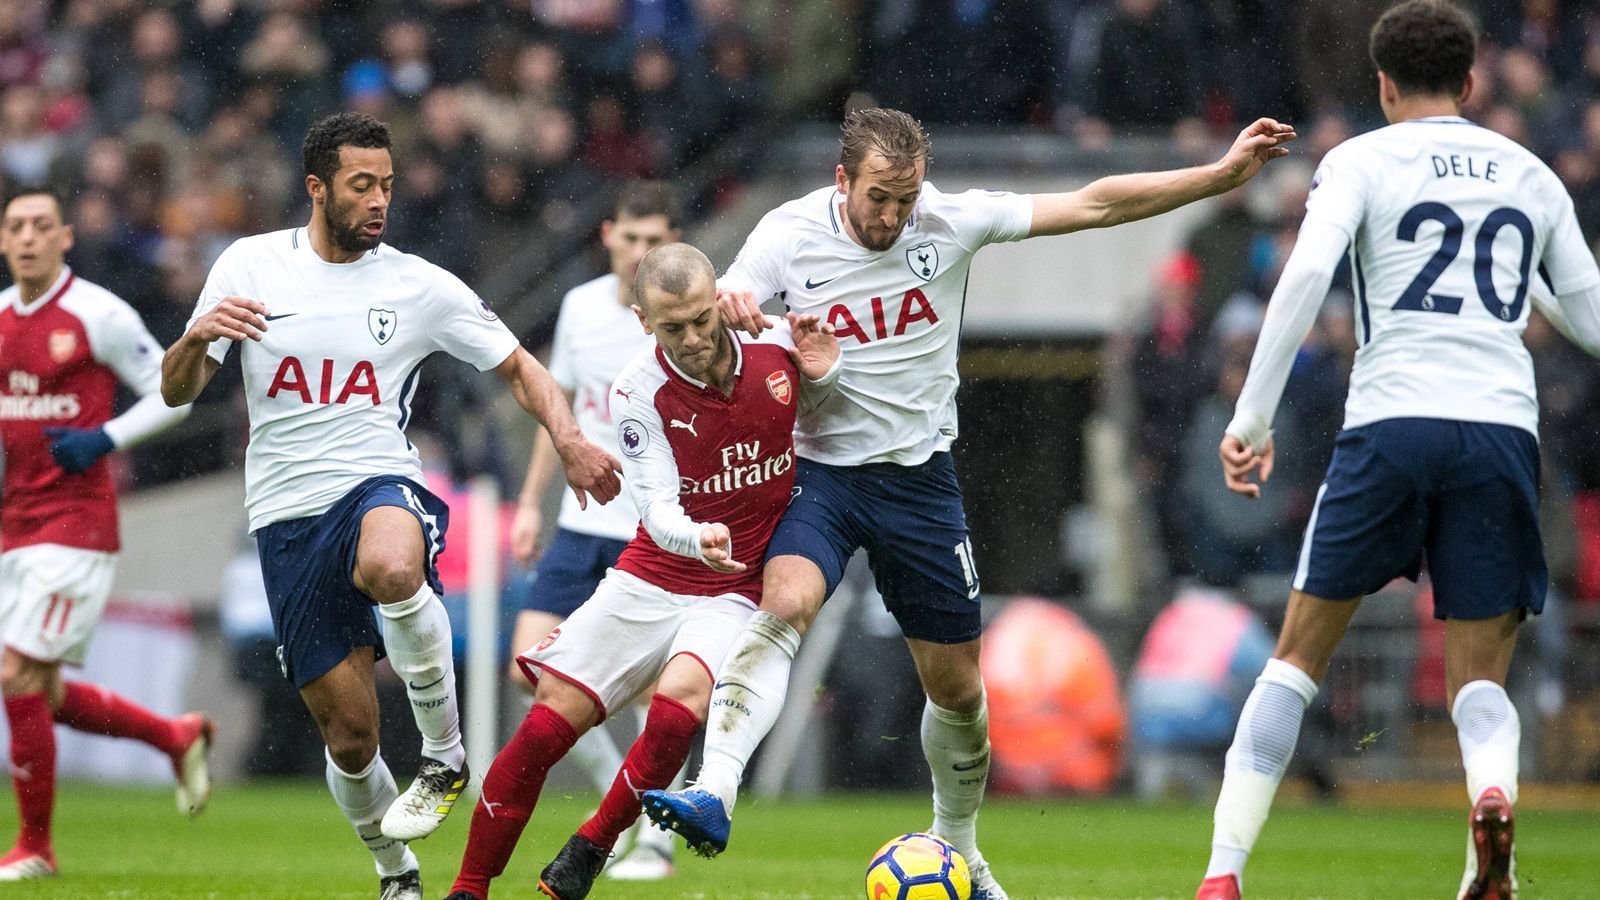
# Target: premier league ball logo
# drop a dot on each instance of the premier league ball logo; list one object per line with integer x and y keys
{"x": 923, "y": 260}
{"x": 632, "y": 436}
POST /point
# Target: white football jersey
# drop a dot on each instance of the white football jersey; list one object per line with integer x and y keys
{"x": 896, "y": 313}
{"x": 329, "y": 386}
{"x": 596, "y": 338}
{"x": 1450, "y": 225}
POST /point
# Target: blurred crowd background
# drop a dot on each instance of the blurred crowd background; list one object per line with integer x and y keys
{"x": 174, "y": 128}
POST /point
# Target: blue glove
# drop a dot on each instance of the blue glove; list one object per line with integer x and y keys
{"x": 76, "y": 449}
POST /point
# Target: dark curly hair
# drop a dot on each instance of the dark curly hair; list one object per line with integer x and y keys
{"x": 1425, "y": 46}
{"x": 347, "y": 129}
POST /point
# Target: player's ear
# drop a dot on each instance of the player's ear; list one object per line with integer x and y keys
{"x": 1466, "y": 90}
{"x": 67, "y": 238}
{"x": 643, "y": 322}
{"x": 606, "y": 228}
{"x": 315, "y": 188}
{"x": 840, "y": 179}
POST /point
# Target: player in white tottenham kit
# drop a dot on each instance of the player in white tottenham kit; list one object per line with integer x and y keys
{"x": 1450, "y": 229}
{"x": 883, "y": 257}
{"x": 597, "y": 334}
{"x": 332, "y": 327}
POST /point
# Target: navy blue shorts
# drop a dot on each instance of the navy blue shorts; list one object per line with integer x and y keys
{"x": 569, "y": 571}
{"x": 1461, "y": 496}
{"x": 307, "y": 564}
{"x": 912, "y": 524}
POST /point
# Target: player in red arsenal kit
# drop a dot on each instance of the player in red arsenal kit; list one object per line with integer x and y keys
{"x": 65, "y": 344}
{"x": 705, "y": 421}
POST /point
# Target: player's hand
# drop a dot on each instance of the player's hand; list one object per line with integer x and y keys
{"x": 1239, "y": 461}
{"x": 525, "y": 527}
{"x": 741, "y": 312}
{"x": 76, "y": 449}
{"x": 815, "y": 349}
{"x": 1259, "y": 142}
{"x": 716, "y": 549}
{"x": 590, "y": 470}
{"x": 235, "y": 318}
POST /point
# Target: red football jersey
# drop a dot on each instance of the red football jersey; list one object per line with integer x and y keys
{"x": 692, "y": 457}
{"x": 62, "y": 357}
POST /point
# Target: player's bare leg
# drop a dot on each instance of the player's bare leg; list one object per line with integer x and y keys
{"x": 1268, "y": 728}
{"x": 391, "y": 568}
{"x": 677, "y": 707}
{"x": 344, "y": 704}
{"x": 745, "y": 703}
{"x": 36, "y": 698}
{"x": 955, "y": 741}
{"x": 1477, "y": 657}
{"x": 596, "y": 753}
{"x": 561, "y": 712}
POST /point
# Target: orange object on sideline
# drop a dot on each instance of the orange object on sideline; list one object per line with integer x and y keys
{"x": 1056, "y": 718}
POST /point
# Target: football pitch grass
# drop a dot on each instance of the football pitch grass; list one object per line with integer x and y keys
{"x": 287, "y": 840}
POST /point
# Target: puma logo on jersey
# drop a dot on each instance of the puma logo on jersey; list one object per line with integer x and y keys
{"x": 626, "y": 395}
{"x": 686, "y": 426}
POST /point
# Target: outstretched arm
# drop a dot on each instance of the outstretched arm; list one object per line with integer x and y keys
{"x": 589, "y": 469}
{"x": 1127, "y": 198}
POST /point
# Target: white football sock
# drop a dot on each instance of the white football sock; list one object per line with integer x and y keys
{"x": 1490, "y": 732}
{"x": 416, "y": 632}
{"x": 364, "y": 798}
{"x": 597, "y": 754}
{"x": 956, "y": 746}
{"x": 1269, "y": 726}
{"x": 749, "y": 695}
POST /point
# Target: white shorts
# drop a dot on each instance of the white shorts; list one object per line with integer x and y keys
{"x": 51, "y": 599}
{"x": 618, "y": 642}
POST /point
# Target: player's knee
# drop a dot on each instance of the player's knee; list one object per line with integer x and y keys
{"x": 390, "y": 577}
{"x": 961, "y": 696}
{"x": 791, "y": 604}
{"x": 20, "y": 676}
{"x": 353, "y": 747}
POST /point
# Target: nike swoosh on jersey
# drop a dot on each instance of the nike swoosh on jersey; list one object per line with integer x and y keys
{"x": 813, "y": 285}
{"x": 423, "y": 687}
{"x": 280, "y": 316}
{"x": 969, "y": 766}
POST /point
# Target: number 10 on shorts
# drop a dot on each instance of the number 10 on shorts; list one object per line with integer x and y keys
{"x": 969, "y": 570}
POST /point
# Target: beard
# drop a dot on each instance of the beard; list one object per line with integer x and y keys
{"x": 876, "y": 240}
{"x": 347, "y": 236}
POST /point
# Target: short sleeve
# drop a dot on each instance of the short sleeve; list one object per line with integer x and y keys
{"x": 990, "y": 217}
{"x": 123, "y": 344}
{"x": 561, "y": 366}
{"x": 762, "y": 261}
{"x": 219, "y": 284}
{"x": 1568, "y": 263}
{"x": 1338, "y": 192}
{"x": 465, "y": 327}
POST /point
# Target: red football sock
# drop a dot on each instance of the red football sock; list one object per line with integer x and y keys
{"x": 510, "y": 791}
{"x": 652, "y": 763}
{"x": 94, "y": 709}
{"x": 33, "y": 767}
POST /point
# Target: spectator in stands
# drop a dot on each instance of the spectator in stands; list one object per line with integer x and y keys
{"x": 1230, "y": 536}
{"x": 406, "y": 53}
{"x": 22, "y": 48}
{"x": 286, "y": 54}
{"x": 669, "y": 116}
{"x": 1331, "y": 66}
{"x": 1165, "y": 367}
{"x": 155, "y": 46}
{"x": 1147, "y": 73}
{"x": 28, "y": 151}
{"x": 557, "y": 176}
